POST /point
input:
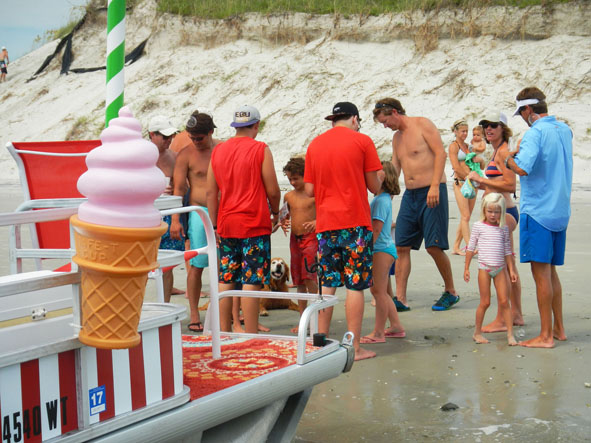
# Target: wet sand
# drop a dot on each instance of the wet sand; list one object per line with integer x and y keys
{"x": 502, "y": 393}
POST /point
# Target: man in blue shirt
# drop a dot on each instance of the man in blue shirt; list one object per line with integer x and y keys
{"x": 544, "y": 162}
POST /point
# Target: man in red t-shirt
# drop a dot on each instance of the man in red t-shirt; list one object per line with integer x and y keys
{"x": 341, "y": 165}
{"x": 242, "y": 173}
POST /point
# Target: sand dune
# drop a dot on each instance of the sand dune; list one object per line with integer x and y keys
{"x": 295, "y": 74}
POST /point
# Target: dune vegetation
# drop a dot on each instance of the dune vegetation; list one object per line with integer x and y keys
{"x": 220, "y": 9}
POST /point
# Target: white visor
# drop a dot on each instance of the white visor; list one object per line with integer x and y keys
{"x": 521, "y": 103}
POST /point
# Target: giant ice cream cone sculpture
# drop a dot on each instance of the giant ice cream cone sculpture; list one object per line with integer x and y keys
{"x": 117, "y": 233}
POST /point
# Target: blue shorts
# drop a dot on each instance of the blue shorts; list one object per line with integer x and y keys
{"x": 416, "y": 220}
{"x": 539, "y": 244}
{"x": 514, "y": 212}
{"x": 245, "y": 260}
{"x": 198, "y": 239}
{"x": 346, "y": 255}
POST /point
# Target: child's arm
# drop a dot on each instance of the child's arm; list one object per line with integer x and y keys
{"x": 479, "y": 147}
{"x": 376, "y": 226}
{"x": 509, "y": 258}
{"x": 310, "y": 226}
{"x": 469, "y": 255}
{"x": 472, "y": 244}
{"x": 285, "y": 217}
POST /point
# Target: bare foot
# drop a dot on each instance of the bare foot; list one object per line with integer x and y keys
{"x": 372, "y": 339}
{"x": 559, "y": 335}
{"x": 363, "y": 354}
{"x": 176, "y": 291}
{"x": 479, "y": 338}
{"x": 511, "y": 341}
{"x": 393, "y": 333}
{"x": 494, "y": 326}
{"x": 518, "y": 321}
{"x": 237, "y": 328}
{"x": 295, "y": 329}
{"x": 460, "y": 252}
{"x": 537, "y": 342}
{"x": 373, "y": 302}
{"x": 262, "y": 328}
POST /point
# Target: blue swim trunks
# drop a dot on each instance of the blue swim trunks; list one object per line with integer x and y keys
{"x": 198, "y": 239}
{"x": 168, "y": 243}
{"x": 345, "y": 255}
{"x": 539, "y": 244}
{"x": 245, "y": 260}
{"x": 416, "y": 220}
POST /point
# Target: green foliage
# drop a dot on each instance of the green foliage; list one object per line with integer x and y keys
{"x": 219, "y": 9}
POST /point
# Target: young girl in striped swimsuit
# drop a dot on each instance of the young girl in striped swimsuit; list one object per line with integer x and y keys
{"x": 491, "y": 236}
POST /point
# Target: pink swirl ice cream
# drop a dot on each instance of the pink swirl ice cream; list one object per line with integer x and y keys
{"x": 122, "y": 180}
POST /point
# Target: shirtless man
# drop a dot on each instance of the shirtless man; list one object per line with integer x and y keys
{"x": 161, "y": 131}
{"x": 4, "y": 61}
{"x": 191, "y": 166}
{"x": 417, "y": 151}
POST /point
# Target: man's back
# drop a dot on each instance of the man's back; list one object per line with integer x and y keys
{"x": 237, "y": 166}
{"x": 336, "y": 163}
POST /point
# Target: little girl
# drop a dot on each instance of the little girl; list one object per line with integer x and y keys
{"x": 477, "y": 144}
{"x": 491, "y": 236}
{"x": 384, "y": 254}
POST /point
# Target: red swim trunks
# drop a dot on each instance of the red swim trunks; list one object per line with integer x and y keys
{"x": 302, "y": 246}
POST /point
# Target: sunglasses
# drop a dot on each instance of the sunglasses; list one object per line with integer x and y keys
{"x": 490, "y": 125}
{"x": 198, "y": 138}
{"x": 383, "y": 105}
{"x": 165, "y": 137}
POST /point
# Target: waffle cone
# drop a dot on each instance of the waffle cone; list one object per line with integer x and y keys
{"x": 114, "y": 263}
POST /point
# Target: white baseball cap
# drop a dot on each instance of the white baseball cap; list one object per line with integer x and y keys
{"x": 494, "y": 117}
{"x": 245, "y": 116}
{"x": 161, "y": 124}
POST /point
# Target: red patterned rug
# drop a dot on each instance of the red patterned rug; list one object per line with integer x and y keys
{"x": 242, "y": 359}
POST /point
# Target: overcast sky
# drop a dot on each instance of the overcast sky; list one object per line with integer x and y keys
{"x": 23, "y": 20}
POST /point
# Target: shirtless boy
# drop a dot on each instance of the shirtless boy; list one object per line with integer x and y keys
{"x": 303, "y": 244}
{"x": 161, "y": 132}
{"x": 417, "y": 151}
{"x": 191, "y": 166}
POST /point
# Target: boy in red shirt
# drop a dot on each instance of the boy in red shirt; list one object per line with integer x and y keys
{"x": 242, "y": 173}
{"x": 341, "y": 165}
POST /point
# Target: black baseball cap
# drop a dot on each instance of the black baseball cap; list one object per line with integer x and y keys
{"x": 343, "y": 108}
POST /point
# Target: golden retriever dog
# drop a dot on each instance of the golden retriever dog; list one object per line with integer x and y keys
{"x": 279, "y": 277}
{"x": 278, "y": 283}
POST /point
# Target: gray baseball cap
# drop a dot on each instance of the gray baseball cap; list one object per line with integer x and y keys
{"x": 245, "y": 116}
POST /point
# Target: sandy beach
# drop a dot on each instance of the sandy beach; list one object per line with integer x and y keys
{"x": 502, "y": 393}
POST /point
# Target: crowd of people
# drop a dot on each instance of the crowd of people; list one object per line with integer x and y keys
{"x": 357, "y": 244}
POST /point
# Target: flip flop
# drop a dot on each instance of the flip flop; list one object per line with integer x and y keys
{"x": 400, "y": 307}
{"x": 370, "y": 341}
{"x": 195, "y": 327}
{"x": 395, "y": 334}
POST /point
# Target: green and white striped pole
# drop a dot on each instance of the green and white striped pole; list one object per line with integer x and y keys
{"x": 115, "y": 58}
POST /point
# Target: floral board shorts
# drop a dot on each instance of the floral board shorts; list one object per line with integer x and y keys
{"x": 245, "y": 260}
{"x": 346, "y": 257}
